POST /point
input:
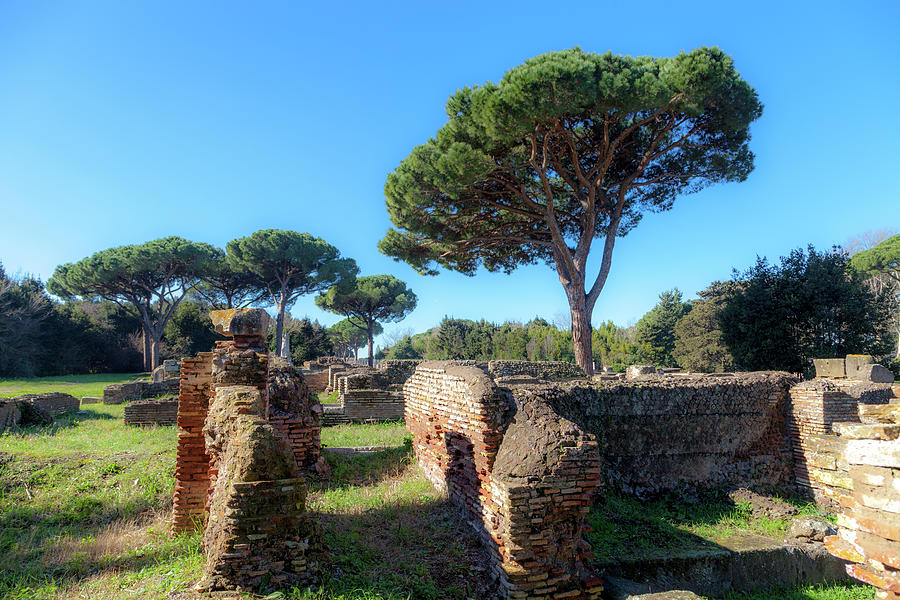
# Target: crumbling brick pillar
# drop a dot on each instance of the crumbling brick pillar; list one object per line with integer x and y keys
{"x": 869, "y": 534}
{"x": 192, "y": 461}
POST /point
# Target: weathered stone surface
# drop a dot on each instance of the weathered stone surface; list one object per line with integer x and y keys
{"x": 876, "y": 374}
{"x": 638, "y": 371}
{"x": 91, "y": 400}
{"x": 830, "y": 367}
{"x": 241, "y": 321}
{"x": 877, "y": 453}
{"x": 812, "y": 529}
{"x": 870, "y": 431}
{"x": 854, "y": 363}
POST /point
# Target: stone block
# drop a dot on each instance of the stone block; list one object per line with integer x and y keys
{"x": 854, "y": 363}
{"x": 637, "y": 371}
{"x": 240, "y": 321}
{"x": 830, "y": 367}
{"x": 875, "y": 374}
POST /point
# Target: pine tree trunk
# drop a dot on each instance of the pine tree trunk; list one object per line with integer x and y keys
{"x": 581, "y": 335}
{"x": 147, "y": 352}
{"x": 154, "y": 351}
{"x": 369, "y": 335}
{"x": 279, "y": 330}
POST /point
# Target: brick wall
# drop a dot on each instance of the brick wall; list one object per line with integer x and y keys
{"x": 378, "y": 405}
{"x": 524, "y": 475}
{"x": 869, "y": 522}
{"x": 548, "y": 369}
{"x": 154, "y": 411}
{"x": 317, "y": 381}
{"x": 819, "y": 467}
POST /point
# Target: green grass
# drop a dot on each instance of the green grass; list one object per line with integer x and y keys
{"x": 76, "y": 385}
{"x": 332, "y": 398}
{"x": 84, "y": 510}
{"x": 390, "y": 433}
{"x": 98, "y": 430}
{"x": 837, "y": 591}
{"x": 624, "y": 527}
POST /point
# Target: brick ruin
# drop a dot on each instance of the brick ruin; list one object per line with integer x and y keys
{"x": 523, "y": 457}
{"x": 247, "y": 429}
{"x": 523, "y": 474}
{"x": 869, "y": 517}
{"x": 153, "y": 411}
{"x": 118, "y": 393}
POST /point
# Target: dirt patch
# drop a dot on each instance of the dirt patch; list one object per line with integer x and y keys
{"x": 763, "y": 506}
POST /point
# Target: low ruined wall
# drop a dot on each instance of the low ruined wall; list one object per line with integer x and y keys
{"x": 524, "y": 475}
{"x": 552, "y": 370}
{"x": 378, "y": 405}
{"x": 154, "y": 411}
{"x": 55, "y": 403}
{"x": 316, "y": 381}
{"x": 673, "y": 431}
{"x": 869, "y": 534}
{"x": 118, "y": 393}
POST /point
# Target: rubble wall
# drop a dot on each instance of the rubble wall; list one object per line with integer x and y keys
{"x": 674, "y": 431}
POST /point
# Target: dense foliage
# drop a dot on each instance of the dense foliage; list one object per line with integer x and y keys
{"x": 148, "y": 280}
{"x": 809, "y": 305}
{"x": 568, "y": 147}
{"x": 698, "y": 337}
{"x": 307, "y": 339}
{"x": 41, "y": 337}
{"x": 655, "y": 331}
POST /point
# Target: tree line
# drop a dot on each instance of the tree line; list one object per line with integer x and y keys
{"x": 162, "y": 290}
{"x": 772, "y": 316}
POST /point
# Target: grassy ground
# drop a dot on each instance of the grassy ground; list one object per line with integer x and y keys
{"x": 332, "y": 398}
{"x": 391, "y": 433}
{"x": 625, "y": 527}
{"x": 816, "y": 592}
{"x": 76, "y": 385}
{"x": 85, "y": 507}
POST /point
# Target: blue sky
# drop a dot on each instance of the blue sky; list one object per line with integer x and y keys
{"x": 122, "y": 122}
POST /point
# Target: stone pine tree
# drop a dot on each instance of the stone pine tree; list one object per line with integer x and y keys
{"x": 348, "y": 337}
{"x": 225, "y": 287}
{"x": 567, "y": 148}
{"x": 374, "y": 298}
{"x": 149, "y": 280}
{"x": 883, "y": 261}
{"x": 288, "y": 264}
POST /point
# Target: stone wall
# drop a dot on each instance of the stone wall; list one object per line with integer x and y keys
{"x": 523, "y": 474}
{"x": 316, "y": 380}
{"x": 677, "y": 431}
{"x": 118, "y": 393}
{"x": 55, "y": 403}
{"x": 294, "y": 411}
{"x": 869, "y": 535}
{"x": 153, "y": 411}
{"x": 550, "y": 370}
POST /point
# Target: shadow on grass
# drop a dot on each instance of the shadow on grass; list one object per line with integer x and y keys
{"x": 626, "y": 528}
{"x": 362, "y": 469}
{"x": 61, "y": 423}
{"x": 423, "y": 550}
